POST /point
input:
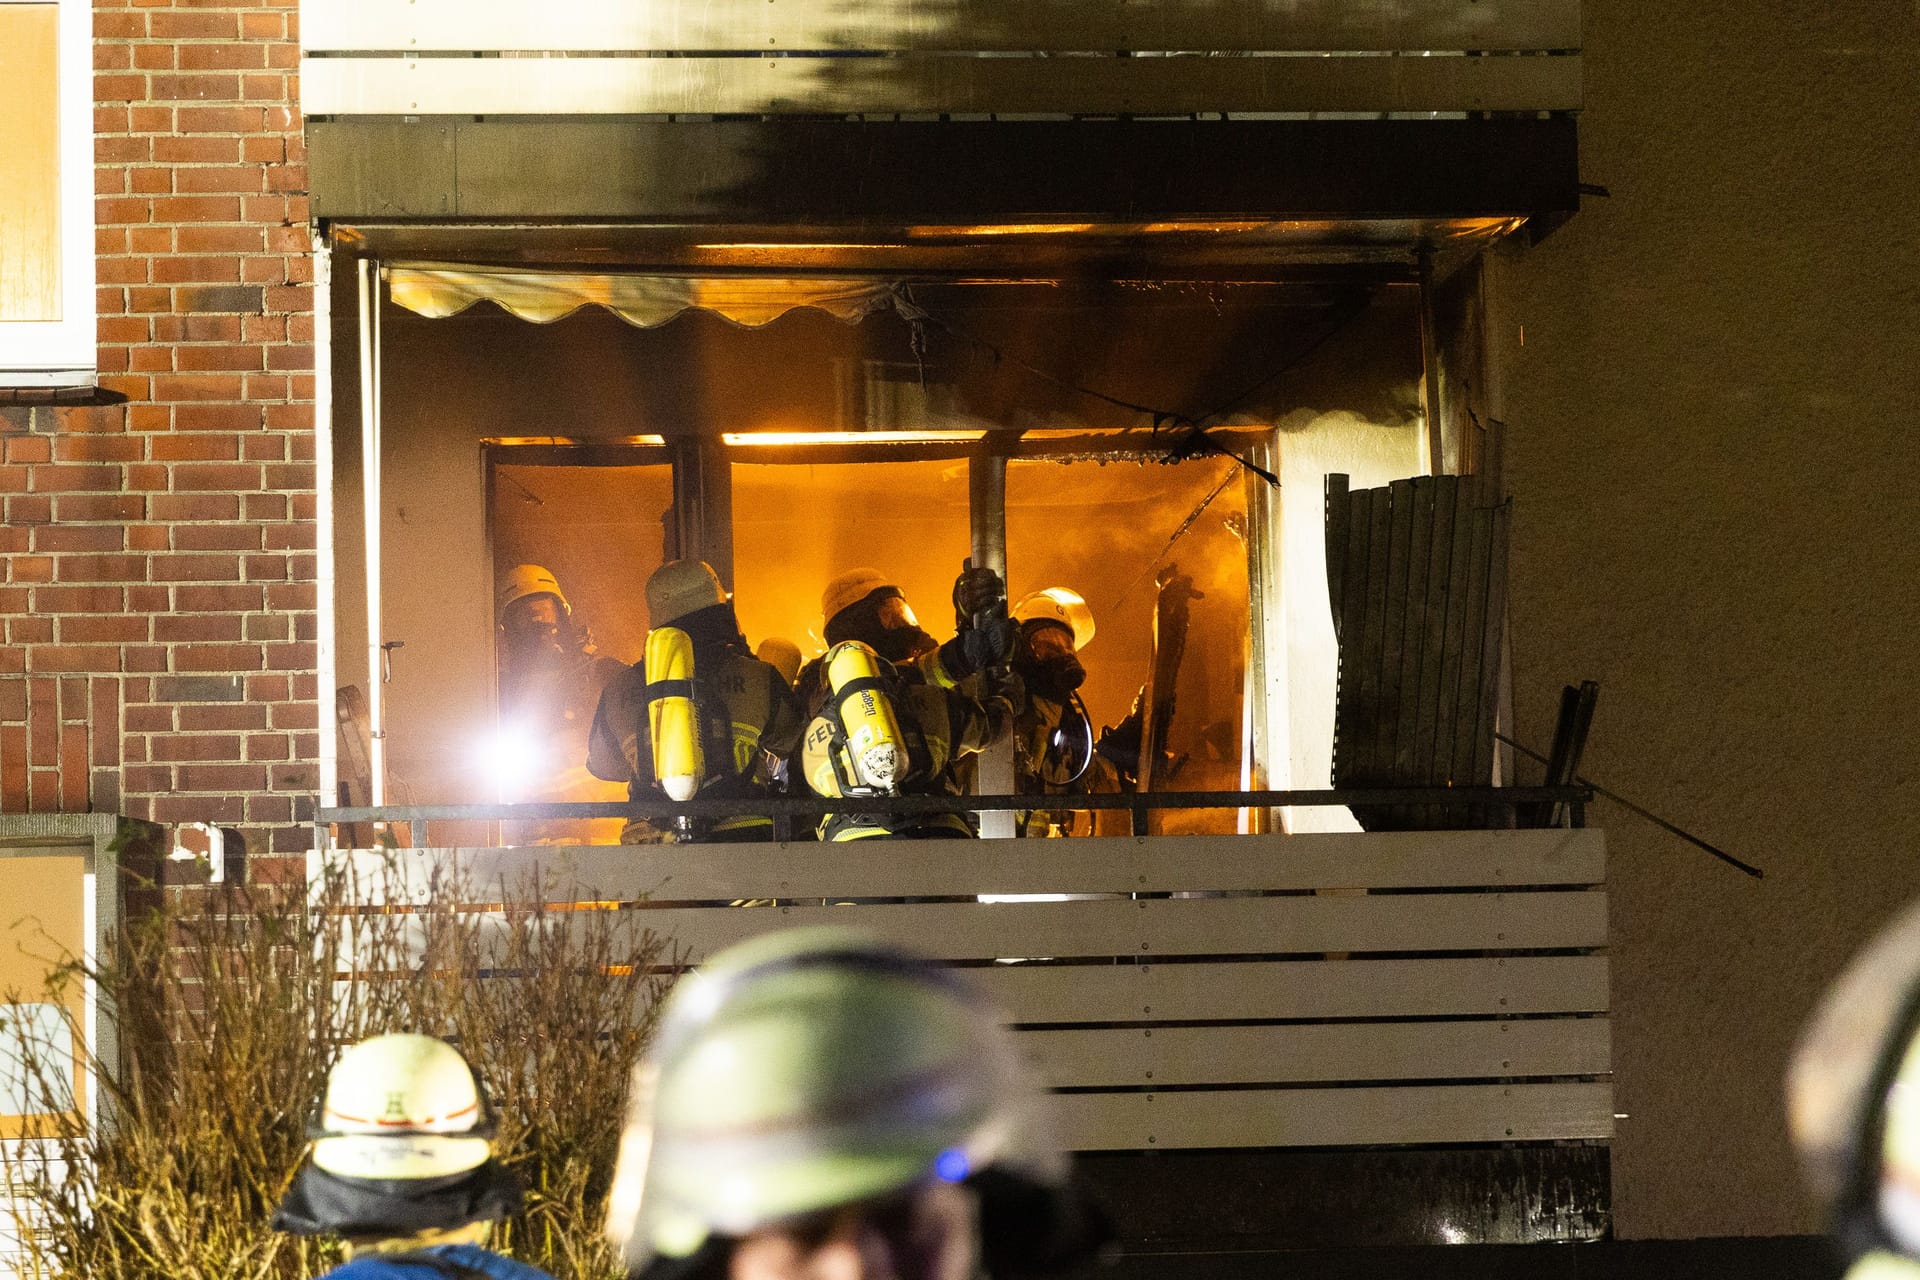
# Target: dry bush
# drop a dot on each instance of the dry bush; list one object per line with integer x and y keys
{"x": 228, "y": 1013}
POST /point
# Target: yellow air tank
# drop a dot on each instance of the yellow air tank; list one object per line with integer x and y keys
{"x": 876, "y": 751}
{"x": 673, "y": 723}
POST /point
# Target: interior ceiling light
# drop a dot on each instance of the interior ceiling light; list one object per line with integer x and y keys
{"x": 846, "y": 437}
{"x": 574, "y": 441}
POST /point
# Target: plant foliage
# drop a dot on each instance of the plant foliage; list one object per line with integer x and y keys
{"x": 221, "y": 1013}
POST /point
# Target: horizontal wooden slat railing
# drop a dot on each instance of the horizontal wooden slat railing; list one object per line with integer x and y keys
{"x": 1185, "y": 992}
{"x": 1019, "y": 57}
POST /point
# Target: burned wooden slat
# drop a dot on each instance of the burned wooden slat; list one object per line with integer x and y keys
{"x": 1582, "y": 722}
{"x": 1540, "y": 814}
{"x": 1440, "y": 561}
{"x": 1350, "y": 713}
{"x": 1393, "y": 631}
{"x": 1409, "y": 723}
{"x": 1350, "y": 707}
{"x": 1339, "y": 525}
{"x": 1452, "y": 641}
{"x": 1563, "y": 756}
{"x": 1472, "y": 644}
{"x": 1373, "y": 632}
{"x": 1487, "y": 686}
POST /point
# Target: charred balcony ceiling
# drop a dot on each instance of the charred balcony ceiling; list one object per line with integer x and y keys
{"x": 1026, "y": 197}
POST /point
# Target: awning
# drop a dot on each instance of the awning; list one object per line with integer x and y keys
{"x": 643, "y": 301}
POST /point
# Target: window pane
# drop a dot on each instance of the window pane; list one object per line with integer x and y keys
{"x": 30, "y": 162}
{"x": 795, "y": 525}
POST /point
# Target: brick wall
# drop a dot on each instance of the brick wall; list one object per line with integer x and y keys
{"x": 158, "y": 592}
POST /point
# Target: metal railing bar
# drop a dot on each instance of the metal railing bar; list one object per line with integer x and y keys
{"x": 812, "y": 806}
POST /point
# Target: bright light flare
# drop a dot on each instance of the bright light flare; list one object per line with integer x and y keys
{"x": 508, "y": 759}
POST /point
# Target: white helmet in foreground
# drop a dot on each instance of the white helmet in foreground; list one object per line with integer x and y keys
{"x": 400, "y": 1147}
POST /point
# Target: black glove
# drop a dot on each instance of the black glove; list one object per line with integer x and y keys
{"x": 988, "y": 643}
{"x": 1006, "y": 684}
{"x": 975, "y": 591}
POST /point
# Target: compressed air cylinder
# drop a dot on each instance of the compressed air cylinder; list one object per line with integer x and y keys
{"x": 673, "y": 723}
{"x": 875, "y": 748}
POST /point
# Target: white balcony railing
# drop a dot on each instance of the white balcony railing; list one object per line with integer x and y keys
{"x": 1445, "y": 987}
{"x": 885, "y": 57}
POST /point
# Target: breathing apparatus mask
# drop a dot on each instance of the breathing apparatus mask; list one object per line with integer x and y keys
{"x": 884, "y": 621}
{"x": 1047, "y": 663}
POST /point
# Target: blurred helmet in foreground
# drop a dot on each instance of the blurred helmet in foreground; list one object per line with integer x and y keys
{"x": 1853, "y": 1104}
{"x": 812, "y": 1069}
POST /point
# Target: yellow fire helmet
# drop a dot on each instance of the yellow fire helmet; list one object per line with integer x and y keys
{"x": 401, "y": 1107}
{"x": 850, "y": 588}
{"x": 783, "y": 655}
{"x": 1060, "y": 606}
{"x": 809, "y": 1069}
{"x": 1853, "y": 1103}
{"x": 525, "y": 580}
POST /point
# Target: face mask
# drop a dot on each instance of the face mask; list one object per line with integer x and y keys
{"x": 903, "y": 644}
{"x": 1054, "y": 678}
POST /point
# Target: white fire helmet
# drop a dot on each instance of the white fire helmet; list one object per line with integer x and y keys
{"x": 400, "y": 1107}
{"x": 525, "y": 580}
{"x": 1060, "y": 606}
{"x": 680, "y": 587}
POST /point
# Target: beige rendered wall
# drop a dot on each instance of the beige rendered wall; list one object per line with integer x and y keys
{"x": 1713, "y": 430}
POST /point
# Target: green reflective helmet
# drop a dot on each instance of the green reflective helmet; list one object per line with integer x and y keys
{"x": 809, "y": 1069}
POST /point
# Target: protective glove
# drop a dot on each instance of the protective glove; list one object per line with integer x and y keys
{"x": 1005, "y": 683}
{"x": 1002, "y": 698}
{"x": 988, "y": 643}
{"x": 975, "y": 591}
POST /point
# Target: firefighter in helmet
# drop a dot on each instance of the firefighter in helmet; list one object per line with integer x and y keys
{"x": 819, "y": 1104}
{"x": 889, "y": 714}
{"x": 699, "y": 716}
{"x": 400, "y": 1166}
{"x": 551, "y": 677}
{"x": 1055, "y": 748}
{"x": 1853, "y": 1105}
{"x": 866, "y": 605}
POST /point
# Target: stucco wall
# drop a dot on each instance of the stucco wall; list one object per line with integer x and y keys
{"x": 1712, "y": 434}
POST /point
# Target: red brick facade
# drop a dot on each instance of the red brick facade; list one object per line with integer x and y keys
{"x": 158, "y": 597}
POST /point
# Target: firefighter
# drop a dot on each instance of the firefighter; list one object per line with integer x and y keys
{"x": 782, "y": 654}
{"x": 400, "y": 1167}
{"x": 941, "y": 721}
{"x": 723, "y": 730}
{"x": 1055, "y": 750}
{"x": 1853, "y": 1105}
{"x": 818, "y": 1104}
{"x": 551, "y": 678}
{"x": 866, "y": 605}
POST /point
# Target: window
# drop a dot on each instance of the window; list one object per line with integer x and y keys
{"x": 46, "y": 194}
